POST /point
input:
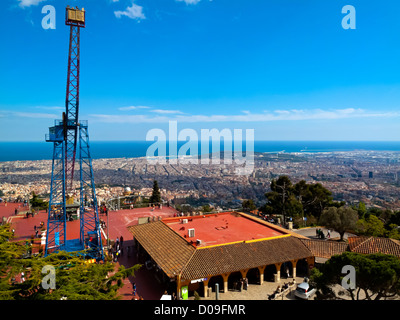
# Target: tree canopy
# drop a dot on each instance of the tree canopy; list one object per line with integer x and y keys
{"x": 300, "y": 199}
{"x": 371, "y": 226}
{"x": 156, "y": 195}
{"x": 74, "y": 279}
{"x": 248, "y": 205}
{"x": 37, "y": 202}
{"x": 339, "y": 219}
{"x": 377, "y": 276}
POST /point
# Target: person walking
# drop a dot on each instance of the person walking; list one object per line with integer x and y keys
{"x": 121, "y": 242}
{"x": 134, "y": 288}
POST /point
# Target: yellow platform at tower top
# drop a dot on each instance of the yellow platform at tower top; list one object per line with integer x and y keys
{"x": 74, "y": 14}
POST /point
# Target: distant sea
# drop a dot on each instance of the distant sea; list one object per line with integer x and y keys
{"x": 13, "y": 151}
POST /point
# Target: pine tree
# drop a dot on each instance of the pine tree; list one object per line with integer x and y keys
{"x": 74, "y": 279}
{"x": 155, "y": 196}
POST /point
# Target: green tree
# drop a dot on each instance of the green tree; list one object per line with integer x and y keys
{"x": 75, "y": 279}
{"x": 156, "y": 195}
{"x": 362, "y": 210}
{"x": 206, "y": 208}
{"x": 37, "y": 202}
{"x": 392, "y": 231}
{"x": 316, "y": 199}
{"x": 281, "y": 200}
{"x": 302, "y": 191}
{"x": 339, "y": 219}
{"x": 371, "y": 226}
{"x": 298, "y": 200}
{"x": 248, "y": 205}
{"x": 377, "y": 276}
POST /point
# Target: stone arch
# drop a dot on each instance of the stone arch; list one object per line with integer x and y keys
{"x": 284, "y": 267}
{"x": 214, "y": 280}
{"x": 253, "y": 275}
{"x": 233, "y": 279}
{"x": 302, "y": 268}
{"x": 269, "y": 272}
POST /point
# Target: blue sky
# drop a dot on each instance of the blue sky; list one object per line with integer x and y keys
{"x": 285, "y": 68}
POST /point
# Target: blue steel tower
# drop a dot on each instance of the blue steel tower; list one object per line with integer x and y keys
{"x": 70, "y": 135}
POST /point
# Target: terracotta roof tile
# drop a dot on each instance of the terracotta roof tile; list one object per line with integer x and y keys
{"x": 239, "y": 256}
{"x": 325, "y": 249}
{"x": 368, "y": 245}
{"x": 173, "y": 254}
{"x": 169, "y": 250}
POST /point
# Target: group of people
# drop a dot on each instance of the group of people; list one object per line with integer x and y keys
{"x": 321, "y": 235}
{"x": 38, "y": 228}
{"x": 117, "y": 250}
{"x": 104, "y": 209}
{"x": 179, "y": 214}
{"x": 102, "y": 224}
{"x": 154, "y": 206}
{"x": 31, "y": 213}
{"x": 242, "y": 283}
{"x": 280, "y": 289}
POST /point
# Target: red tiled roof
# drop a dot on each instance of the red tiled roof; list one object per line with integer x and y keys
{"x": 246, "y": 255}
{"x": 175, "y": 255}
{"x": 369, "y": 245}
{"x": 325, "y": 249}
{"x": 169, "y": 250}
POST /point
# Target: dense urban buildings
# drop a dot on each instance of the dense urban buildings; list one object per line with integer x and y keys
{"x": 372, "y": 177}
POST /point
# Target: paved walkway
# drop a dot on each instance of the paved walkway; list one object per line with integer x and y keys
{"x": 147, "y": 285}
{"x": 258, "y": 292}
{"x": 311, "y": 233}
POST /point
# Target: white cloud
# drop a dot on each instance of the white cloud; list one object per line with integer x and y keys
{"x": 278, "y": 115}
{"x": 34, "y": 115}
{"x": 133, "y": 108}
{"x": 161, "y": 111}
{"x": 50, "y": 108}
{"x": 189, "y": 1}
{"x": 132, "y": 12}
{"x": 28, "y": 3}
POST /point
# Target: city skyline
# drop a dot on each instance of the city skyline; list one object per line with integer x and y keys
{"x": 289, "y": 71}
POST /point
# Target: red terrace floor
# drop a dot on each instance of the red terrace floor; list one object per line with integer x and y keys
{"x": 147, "y": 285}
{"x": 221, "y": 228}
{"x": 118, "y": 220}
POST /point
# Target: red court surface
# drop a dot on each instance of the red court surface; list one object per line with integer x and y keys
{"x": 222, "y": 228}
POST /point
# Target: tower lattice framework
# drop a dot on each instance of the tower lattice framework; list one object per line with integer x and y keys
{"x": 70, "y": 138}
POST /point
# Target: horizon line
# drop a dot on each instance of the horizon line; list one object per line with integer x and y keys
{"x": 256, "y": 140}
